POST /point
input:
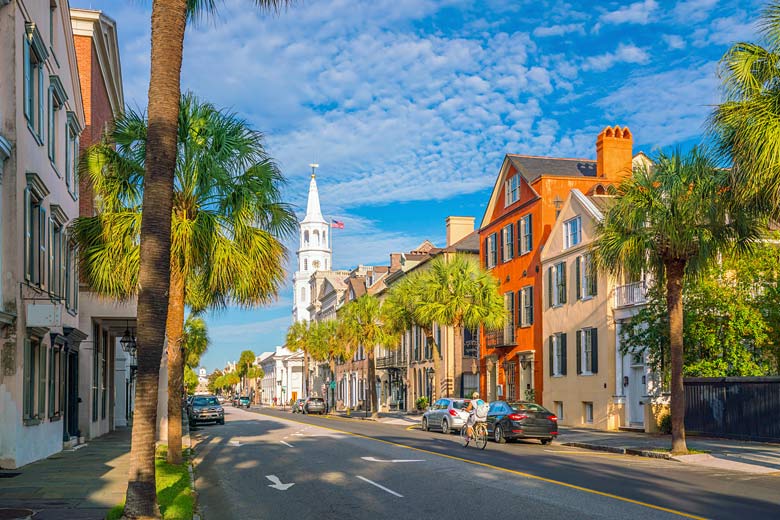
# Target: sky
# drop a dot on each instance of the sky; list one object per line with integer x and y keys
{"x": 409, "y": 106}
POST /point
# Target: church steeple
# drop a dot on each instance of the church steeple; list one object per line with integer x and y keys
{"x": 313, "y": 212}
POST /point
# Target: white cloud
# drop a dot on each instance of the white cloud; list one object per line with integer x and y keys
{"x": 693, "y": 10}
{"x": 727, "y": 30}
{"x": 625, "y": 53}
{"x": 559, "y": 30}
{"x": 638, "y": 13}
{"x": 674, "y": 41}
{"x": 665, "y": 108}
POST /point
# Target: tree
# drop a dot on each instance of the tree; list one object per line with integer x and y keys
{"x": 326, "y": 344}
{"x": 361, "y": 320}
{"x": 671, "y": 220}
{"x": 746, "y": 127}
{"x": 729, "y": 320}
{"x": 195, "y": 340}
{"x": 213, "y": 378}
{"x": 455, "y": 291}
{"x": 190, "y": 379}
{"x": 299, "y": 339}
{"x": 244, "y": 367}
{"x": 227, "y": 223}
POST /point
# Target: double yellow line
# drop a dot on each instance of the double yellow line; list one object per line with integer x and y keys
{"x": 505, "y": 470}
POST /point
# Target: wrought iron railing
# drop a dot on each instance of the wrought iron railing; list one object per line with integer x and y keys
{"x": 630, "y": 294}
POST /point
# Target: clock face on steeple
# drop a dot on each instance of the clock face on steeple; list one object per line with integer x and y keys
{"x": 316, "y": 264}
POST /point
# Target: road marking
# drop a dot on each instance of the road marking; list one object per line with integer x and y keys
{"x": 235, "y": 443}
{"x": 374, "y": 459}
{"x": 413, "y": 427}
{"x": 277, "y": 484}
{"x": 287, "y": 444}
{"x": 380, "y": 486}
{"x": 514, "y": 472}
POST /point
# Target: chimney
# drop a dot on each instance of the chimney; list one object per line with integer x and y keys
{"x": 458, "y": 228}
{"x": 395, "y": 262}
{"x": 614, "y": 151}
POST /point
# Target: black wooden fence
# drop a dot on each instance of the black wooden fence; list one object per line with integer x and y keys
{"x": 746, "y": 408}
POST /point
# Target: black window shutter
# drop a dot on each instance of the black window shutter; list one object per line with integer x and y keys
{"x": 487, "y": 252}
{"x": 501, "y": 246}
{"x": 531, "y": 303}
{"x": 563, "y": 283}
{"x": 594, "y": 350}
{"x": 578, "y": 276}
{"x": 519, "y": 237}
{"x": 578, "y": 344}
{"x": 530, "y": 232}
{"x": 552, "y": 357}
{"x": 563, "y": 354}
{"x": 511, "y": 237}
{"x": 549, "y": 286}
{"x": 594, "y": 284}
{"x": 519, "y": 321}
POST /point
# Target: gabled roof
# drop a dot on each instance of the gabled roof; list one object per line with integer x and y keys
{"x": 593, "y": 207}
{"x": 502, "y": 174}
{"x": 532, "y": 167}
{"x": 467, "y": 244}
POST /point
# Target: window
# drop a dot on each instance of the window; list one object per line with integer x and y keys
{"x": 509, "y": 326}
{"x": 587, "y": 351}
{"x": 559, "y": 410}
{"x": 526, "y": 306}
{"x": 34, "y": 379}
{"x": 585, "y": 274}
{"x": 470, "y": 343}
{"x": 71, "y": 278}
{"x": 507, "y": 243}
{"x": 325, "y": 238}
{"x": 558, "y": 354}
{"x": 588, "y": 412}
{"x": 511, "y": 380}
{"x": 306, "y": 238}
{"x": 491, "y": 255}
{"x": 34, "y": 55}
{"x": 525, "y": 235}
{"x": 57, "y": 252}
{"x": 556, "y": 284}
{"x": 35, "y": 237}
{"x": 55, "y": 381}
{"x": 512, "y": 190}
{"x": 56, "y": 100}
{"x": 572, "y": 232}
{"x": 305, "y": 264}
{"x": 72, "y": 155}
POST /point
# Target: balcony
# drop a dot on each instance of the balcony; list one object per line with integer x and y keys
{"x": 630, "y": 294}
{"x": 499, "y": 338}
{"x": 395, "y": 360}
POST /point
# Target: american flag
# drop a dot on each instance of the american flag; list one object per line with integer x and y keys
{"x": 337, "y": 224}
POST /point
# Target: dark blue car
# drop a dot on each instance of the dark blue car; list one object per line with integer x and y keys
{"x": 520, "y": 420}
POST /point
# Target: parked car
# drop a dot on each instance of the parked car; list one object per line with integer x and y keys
{"x": 446, "y": 414}
{"x": 297, "y": 406}
{"x": 521, "y": 420}
{"x": 221, "y": 399}
{"x": 314, "y": 405}
{"x": 243, "y": 401}
{"x": 205, "y": 408}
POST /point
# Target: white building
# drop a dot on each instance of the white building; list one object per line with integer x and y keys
{"x": 314, "y": 253}
{"x": 283, "y": 376}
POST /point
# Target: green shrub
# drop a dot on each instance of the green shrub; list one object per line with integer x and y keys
{"x": 422, "y": 403}
{"x": 665, "y": 423}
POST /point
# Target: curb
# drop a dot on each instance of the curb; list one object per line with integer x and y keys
{"x": 623, "y": 451}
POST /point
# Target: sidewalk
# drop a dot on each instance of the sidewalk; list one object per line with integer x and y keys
{"x": 81, "y": 484}
{"x": 749, "y": 457}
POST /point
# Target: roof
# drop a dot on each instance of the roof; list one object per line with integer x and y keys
{"x": 469, "y": 243}
{"x": 602, "y": 202}
{"x": 532, "y": 167}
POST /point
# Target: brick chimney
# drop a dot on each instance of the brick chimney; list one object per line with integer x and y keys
{"x": 614, "y": 151}
{"x": 395, "y": 262}
{"x": 458, "y": 228}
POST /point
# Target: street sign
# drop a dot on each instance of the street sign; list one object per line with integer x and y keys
{"x": 332, "y": 385}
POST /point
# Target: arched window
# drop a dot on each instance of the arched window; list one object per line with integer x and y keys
{"x": 316, "y": 237}
{"x": 325, "y": 238}
{"x": 306, "y": 238}
{"x": 305, "y": 264}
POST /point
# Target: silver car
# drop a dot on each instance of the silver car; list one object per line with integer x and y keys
{"x": 446, "y": 414}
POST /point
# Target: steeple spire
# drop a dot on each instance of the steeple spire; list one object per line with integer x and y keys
{"x": 313, "y": 212}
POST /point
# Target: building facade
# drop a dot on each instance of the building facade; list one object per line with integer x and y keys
{"x": 525, "y": 203}
{"x": 41, "y": 119}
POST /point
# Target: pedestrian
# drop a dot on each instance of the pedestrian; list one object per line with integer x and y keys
{"x": 274, "y": 402}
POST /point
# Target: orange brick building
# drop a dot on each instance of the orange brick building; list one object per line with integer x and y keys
{"x": 527, "y": 196}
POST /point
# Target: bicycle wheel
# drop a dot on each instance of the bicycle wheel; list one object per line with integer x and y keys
{"x": 480, "y": 437}
{"x": 464, "y": 435}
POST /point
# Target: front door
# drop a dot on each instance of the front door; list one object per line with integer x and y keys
{"x": 636, "y": 396}
{"x": 71, "y": 420}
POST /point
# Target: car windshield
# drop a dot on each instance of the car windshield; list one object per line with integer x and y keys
{"x": 316, "y": 400}
{"x": 461, "y": 404}
{"x": 527, "y": 407}
{"x": 205, "y": 401}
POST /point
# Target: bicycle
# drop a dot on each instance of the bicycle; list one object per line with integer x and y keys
{"x": 480, "y": 435}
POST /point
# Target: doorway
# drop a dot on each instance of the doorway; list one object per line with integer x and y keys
{"x": 636, "y": 396}
{"x": 71, "y": 420}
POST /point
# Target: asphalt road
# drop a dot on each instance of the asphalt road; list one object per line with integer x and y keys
{"x": 351, "y": 469}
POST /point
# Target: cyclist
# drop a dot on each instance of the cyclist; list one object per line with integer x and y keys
{"x": 477, "y": 413}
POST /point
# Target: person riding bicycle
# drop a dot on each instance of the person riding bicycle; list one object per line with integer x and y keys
{"x": 477, "y": 410}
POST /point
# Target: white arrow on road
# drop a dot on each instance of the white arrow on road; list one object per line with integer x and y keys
{"x": 374, "y": 459}
{"x": 277, "y": 484}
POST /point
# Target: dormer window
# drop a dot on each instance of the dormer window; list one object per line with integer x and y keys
{"x": 512, "y": 190}
{"x": 572, "y": 232}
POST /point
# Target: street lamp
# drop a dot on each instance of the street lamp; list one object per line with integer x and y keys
{"x": 128, "y": 341}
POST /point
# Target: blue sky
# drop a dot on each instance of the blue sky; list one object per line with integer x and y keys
{"x": 409, "y": 105}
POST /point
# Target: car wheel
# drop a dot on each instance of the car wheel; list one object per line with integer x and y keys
{"x": 445, "y": 427}
{"x": 221, "y": 421}
{"x": 424, "y": 424}
{"x": 498, "y": 434}
{"x": 546, "y": 441}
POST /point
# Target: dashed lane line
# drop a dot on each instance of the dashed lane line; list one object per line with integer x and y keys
{"x": 380, "y": 486}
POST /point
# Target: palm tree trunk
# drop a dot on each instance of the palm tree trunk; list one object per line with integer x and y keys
{"x": 372, "y": 385}
{"x": 175, "y": 330}
{"x": 675, "y": 271}
{"x": 169, "y": 18}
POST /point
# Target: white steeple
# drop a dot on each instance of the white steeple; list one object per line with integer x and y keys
{"x": 314, "y": 252}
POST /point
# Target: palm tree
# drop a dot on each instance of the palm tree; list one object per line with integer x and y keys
{"x": 746, "y": 126}
{"x": 195, "y": 340}
{"x": 327, "y": 345}
{"x": 169, "y": 19}
{"x": 453, "y": 292}
{"x": 670, "y": 220}
{"x": 227, "y": 223}
{"x": 299, "y": 339}
{"x": 244, "y": 367}
{"x": 362, "y": 324}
